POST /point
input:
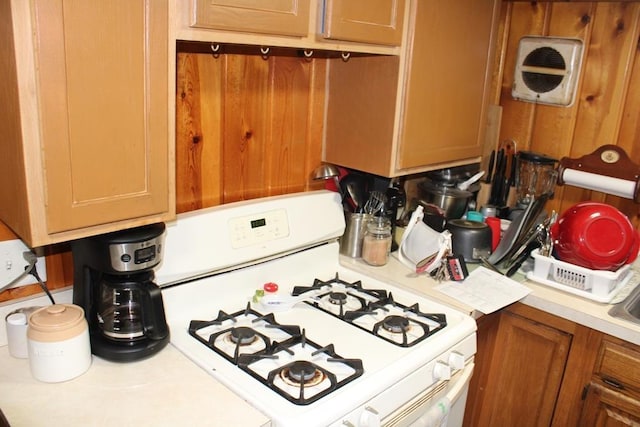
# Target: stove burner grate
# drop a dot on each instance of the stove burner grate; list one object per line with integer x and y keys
{"x": 239, "y": 336}
{"x": 301, "y": 381}
{"x": 398, "y": 324}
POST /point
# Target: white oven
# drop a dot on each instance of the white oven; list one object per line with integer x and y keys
{"x": 330, "y": 346}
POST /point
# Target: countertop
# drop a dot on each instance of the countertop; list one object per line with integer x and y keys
{"x": 571, "y": 307}
{"x": 164, "y": 390}
{"x": 168, "y": 389}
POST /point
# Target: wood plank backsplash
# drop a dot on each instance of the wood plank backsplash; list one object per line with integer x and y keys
{"x": 249, "y": 127}
{"x": 607, "y": 105}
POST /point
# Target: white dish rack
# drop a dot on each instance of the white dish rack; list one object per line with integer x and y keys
{"x": 598, "y": 285}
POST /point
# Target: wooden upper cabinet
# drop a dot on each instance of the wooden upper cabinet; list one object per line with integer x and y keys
{"x": 283, "y": 17}
{"x": 94, "y": 140}
{"x": 448, "y": 74}
{"x": 367, "y": 21}
{"x": 354, "y": 26}
{"x": 425, "y": 109}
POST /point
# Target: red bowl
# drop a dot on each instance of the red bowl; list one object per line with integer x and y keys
{"x": 595, "y": 236}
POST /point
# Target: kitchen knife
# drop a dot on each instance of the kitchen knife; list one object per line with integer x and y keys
{"x": 492, "y": 159}
{"x": 496, "y": 184}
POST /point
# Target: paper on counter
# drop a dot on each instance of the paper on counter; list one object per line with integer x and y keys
{"x": 485, "y": 290}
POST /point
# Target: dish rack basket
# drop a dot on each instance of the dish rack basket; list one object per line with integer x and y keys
{"x": 598, "y": 285}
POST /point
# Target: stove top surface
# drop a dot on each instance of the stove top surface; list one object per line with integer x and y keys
{"x": 199, "y": 314}
{"x": 330, "y": 340}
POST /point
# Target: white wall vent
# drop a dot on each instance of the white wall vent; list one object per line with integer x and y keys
{"x": 547, "y": 70}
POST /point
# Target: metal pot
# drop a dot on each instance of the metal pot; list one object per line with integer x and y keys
{"x": 451, "y": 200}
{"x": 471, "y": 239}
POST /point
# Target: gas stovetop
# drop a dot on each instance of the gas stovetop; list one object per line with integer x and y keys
{"x": 341, "y": 338}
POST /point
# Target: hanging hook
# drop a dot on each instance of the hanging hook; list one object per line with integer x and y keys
{"x": 215, "y": 49}
{"x": 308, "y": 53}
{"x": 345, "y": 56}
{"x": 265, "y": 52}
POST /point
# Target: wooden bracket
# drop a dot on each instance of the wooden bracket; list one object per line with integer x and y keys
{"x": 608, "y": 160}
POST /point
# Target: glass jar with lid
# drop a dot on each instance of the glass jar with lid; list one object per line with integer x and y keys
{"x": 376, "y": 244}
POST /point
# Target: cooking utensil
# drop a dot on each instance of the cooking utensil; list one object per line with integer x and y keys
{"x": 492, "y": 159}
{"x": 355, "y": 191}
{"x": 471, "y": 239}
{"x": 515, "y": 230}
{"x": 452, "y": 201}
{"x": 466, "y": 184}
{"x": 375, "y": 203}
{"x": 594, "y": 235}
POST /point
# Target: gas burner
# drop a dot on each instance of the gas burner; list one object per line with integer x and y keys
{"x": 396, "y": 323}
{"x": 336, "y": 296}
{"x": 242, "y": 335}
{"x": 243, "y": 332}
{"x": 300, "y": 370}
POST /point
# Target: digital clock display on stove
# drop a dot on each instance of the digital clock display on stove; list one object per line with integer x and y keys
{"x": 258, "y": 223}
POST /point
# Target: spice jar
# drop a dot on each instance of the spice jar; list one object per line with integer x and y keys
{"x": 376, "y": 244}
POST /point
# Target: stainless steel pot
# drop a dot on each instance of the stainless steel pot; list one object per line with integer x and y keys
{"x": 451, "y": 200}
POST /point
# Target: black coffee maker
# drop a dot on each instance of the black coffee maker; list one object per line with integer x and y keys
{"x": 114, "y": 283}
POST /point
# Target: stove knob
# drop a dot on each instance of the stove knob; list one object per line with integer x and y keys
{"x": 369, "y": 418}
{"x": 456, "y": 360}
{"x": 442, "y": 371}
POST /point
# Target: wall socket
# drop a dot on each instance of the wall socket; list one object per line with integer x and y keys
{"x": 12, "y": 264}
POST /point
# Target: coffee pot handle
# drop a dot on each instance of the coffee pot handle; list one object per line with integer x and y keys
{"x": 153, "y": 318}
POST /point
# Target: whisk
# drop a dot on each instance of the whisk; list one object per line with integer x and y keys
{"x": 375, "y": 203}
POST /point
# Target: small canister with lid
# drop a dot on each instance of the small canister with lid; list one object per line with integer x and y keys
{"x": 376, "y": 244}
{"x": 58, "y": 343}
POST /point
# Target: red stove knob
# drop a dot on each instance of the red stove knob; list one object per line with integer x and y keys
{"x": 270, "y": 287}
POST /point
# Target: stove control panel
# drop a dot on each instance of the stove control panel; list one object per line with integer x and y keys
{"x": 259, "y": 228}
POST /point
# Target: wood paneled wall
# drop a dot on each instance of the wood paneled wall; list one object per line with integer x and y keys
{"x": 249, "y": 127}
{"x": 607, "y": 106}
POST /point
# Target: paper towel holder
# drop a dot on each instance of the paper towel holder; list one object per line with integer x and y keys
{"x": 608, "y": 160}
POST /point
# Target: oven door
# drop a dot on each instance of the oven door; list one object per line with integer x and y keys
{"x": 441, "y": 405}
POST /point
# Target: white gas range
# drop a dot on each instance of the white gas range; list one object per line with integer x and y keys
{"x": 331, "y": 346}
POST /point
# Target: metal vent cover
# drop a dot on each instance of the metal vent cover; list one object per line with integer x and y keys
{"x": 547, "y": 70}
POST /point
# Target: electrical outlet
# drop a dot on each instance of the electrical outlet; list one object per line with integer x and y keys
{"x": 13, "y": 263}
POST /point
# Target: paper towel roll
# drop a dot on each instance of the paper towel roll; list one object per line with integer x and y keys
{"x": 602, "y": 183}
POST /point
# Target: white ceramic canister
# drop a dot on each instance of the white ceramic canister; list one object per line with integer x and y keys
{"x": 58, "y": 343}
{"x": 17, "y": 324}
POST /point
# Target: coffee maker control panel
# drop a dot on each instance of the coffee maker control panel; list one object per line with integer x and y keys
{"x": 135, "y": 256}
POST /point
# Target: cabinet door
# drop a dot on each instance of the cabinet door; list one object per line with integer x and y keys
{"x": 103, "y": 81}
{"x": 368, "y": 21}
{"x": 448, "y": 73}
{"x": 604, "y": 407}
{"x": 283, "y": 17}
{"x": 525, "y": 373}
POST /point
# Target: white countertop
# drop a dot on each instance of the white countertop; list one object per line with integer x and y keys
{"x": 577, "y": 309}
{"x": 165, "y": 389}
{"x": 168, "y": 389}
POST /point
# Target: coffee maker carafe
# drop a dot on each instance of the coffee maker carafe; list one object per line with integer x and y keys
{"x": 114, "y": 283}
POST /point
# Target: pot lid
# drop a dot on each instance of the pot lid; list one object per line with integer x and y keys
{"x": 465, "y": 223}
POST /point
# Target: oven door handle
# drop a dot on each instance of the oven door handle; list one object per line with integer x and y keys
{"x": 460, "y": 383}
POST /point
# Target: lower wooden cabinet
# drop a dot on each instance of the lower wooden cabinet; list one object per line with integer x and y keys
{"x": 613, "y": 395}
{"x": 531, "y": 369}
